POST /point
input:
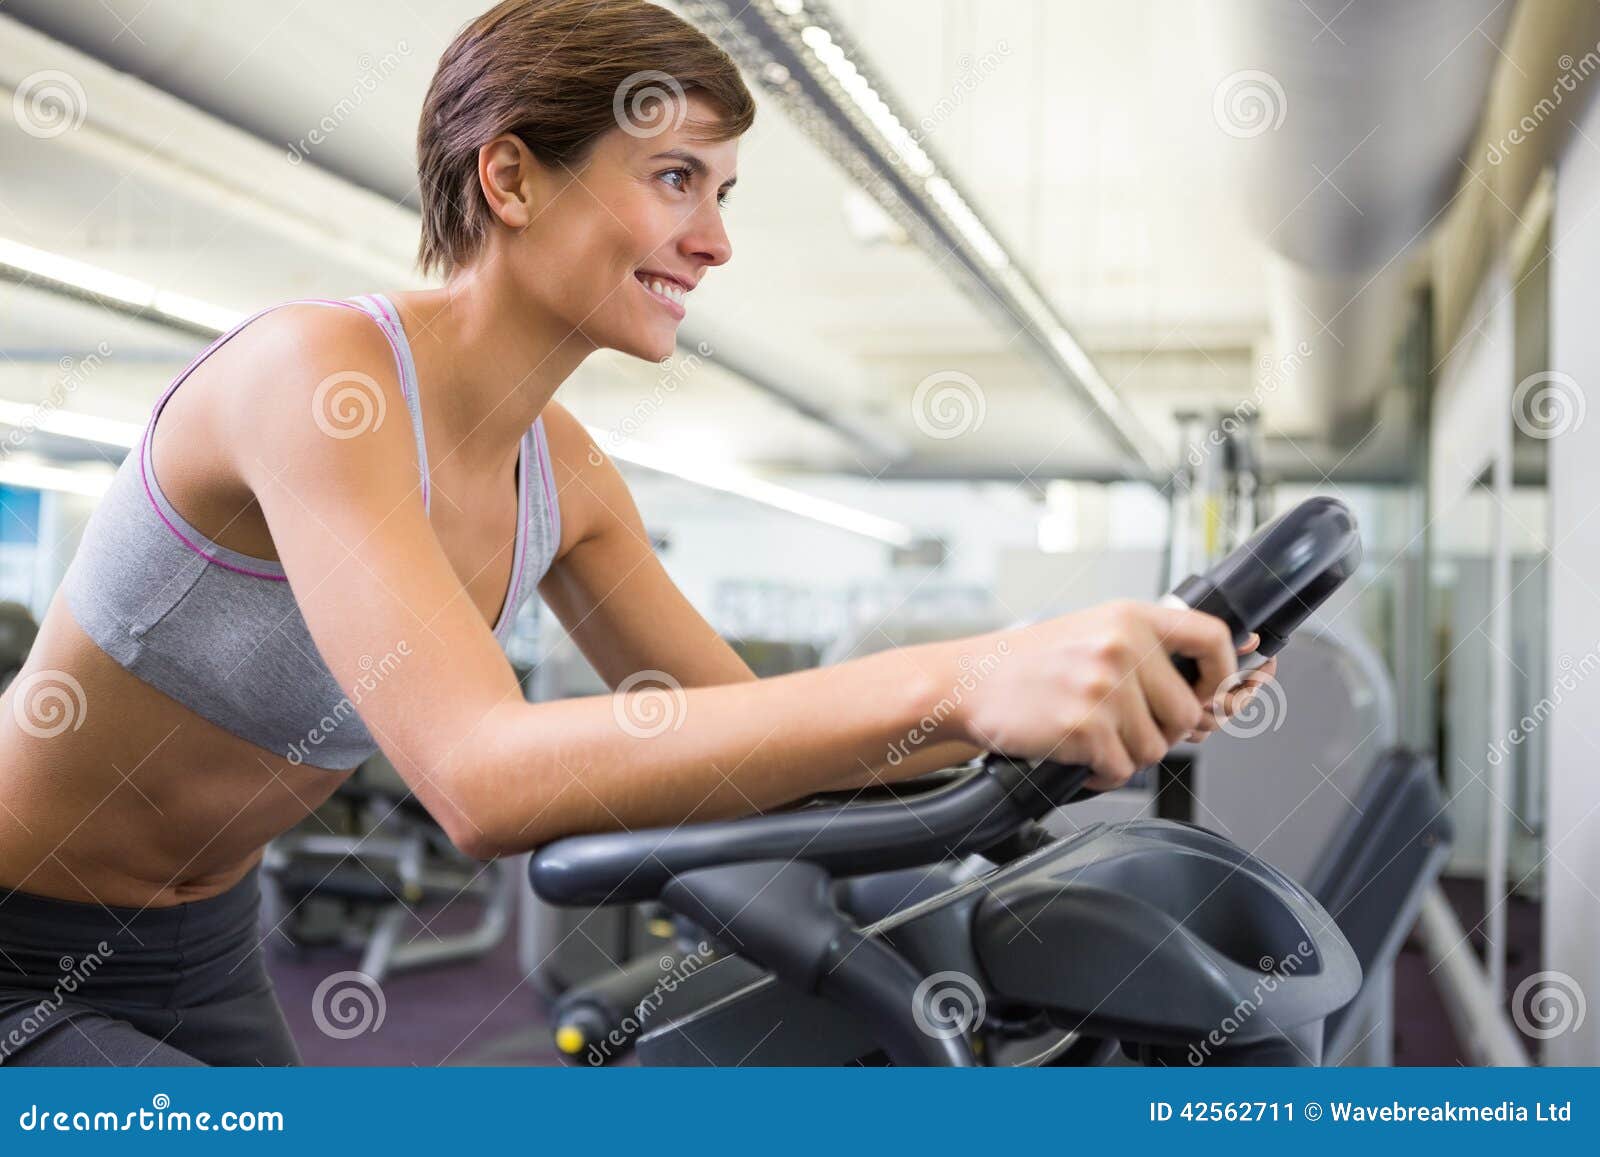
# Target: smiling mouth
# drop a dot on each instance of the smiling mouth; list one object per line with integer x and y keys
{"x": 669, "y": 293}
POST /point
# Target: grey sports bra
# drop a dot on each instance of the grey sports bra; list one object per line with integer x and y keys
{"x": 221, "y": 632}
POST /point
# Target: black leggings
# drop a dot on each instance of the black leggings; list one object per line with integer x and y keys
{"x": 83, "y": 984}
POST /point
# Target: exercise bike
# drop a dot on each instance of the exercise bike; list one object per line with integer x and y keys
{"x": 1166, "y": 940}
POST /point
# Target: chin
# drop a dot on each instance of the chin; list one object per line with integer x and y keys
{"x": 649, "y": 347}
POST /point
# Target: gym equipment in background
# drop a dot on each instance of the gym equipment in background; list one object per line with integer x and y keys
{"x": 1217, "y": 496}
{"x": 1372, "y": 878}
{"x": 1283, "y": 776}
{"x": 596, "y": 966}
{"x": 904, "y": 630}
{"x": 18, "y": 630}
{"x": 1175, "y": 928}
{"x": 370, "y": 870}
{"x": 1309, "y": 772}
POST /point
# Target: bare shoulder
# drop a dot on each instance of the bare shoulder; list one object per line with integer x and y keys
{"x": 291, "y": 350}
{"x": 311, "y": 387}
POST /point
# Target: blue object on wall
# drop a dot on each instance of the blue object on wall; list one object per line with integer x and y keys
{"x": 19, "y": 515}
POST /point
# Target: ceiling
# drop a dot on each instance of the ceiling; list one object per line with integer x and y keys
{"x": 1083, "y": 131}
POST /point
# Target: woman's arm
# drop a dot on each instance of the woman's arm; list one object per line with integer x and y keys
{"x": 626, "y": 614}
{"x": 607, "y": 586}
{"x": 503, "y": 775}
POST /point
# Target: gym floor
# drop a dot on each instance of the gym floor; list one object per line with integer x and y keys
{"x": 477, "y": 1013}
{"x": 483, "y": 1013}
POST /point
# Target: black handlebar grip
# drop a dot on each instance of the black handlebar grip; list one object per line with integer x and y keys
{"x": 1036, "y": 789}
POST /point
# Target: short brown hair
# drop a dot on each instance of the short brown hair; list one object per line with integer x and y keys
{"x": 552, "y": 72}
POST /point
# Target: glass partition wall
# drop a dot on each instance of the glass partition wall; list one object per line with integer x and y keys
{"x": 1493, "y": 679}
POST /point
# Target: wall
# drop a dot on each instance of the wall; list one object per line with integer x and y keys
{"x": 718, "y": 543}
{"x": 1470, "y": 411}
{"x": 1572, "y": 910}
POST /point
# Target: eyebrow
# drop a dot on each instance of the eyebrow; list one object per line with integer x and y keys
{"x": 693, "y": 163}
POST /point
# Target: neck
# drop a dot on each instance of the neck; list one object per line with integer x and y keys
{"x": 487, "y": 368}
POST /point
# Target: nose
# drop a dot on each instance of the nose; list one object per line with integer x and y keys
{"x": 705, "y": 241}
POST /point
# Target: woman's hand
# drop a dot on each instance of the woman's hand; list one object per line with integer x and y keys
{"x": 1097, "y": 687}
{"x": 1232, "y": 696}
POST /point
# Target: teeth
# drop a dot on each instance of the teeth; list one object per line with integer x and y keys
{"x": 670, "y": 290}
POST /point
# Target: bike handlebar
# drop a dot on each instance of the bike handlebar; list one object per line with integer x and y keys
{"x": 1267, "y": 586}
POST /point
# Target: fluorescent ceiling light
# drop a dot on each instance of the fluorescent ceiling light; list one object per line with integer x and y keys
{"x": 967, "y": 221}
{"x": 67, "y": 424}
{"x": 38, "y": 476}
{"x": 139, "y": 296}
{"x": 866, "y": 98}
{"x": 144, "y": 298}
{"x": 805, "y": 56}
{"x": 732, "y": 480}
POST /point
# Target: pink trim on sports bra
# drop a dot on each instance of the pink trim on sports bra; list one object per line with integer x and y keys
{"x": 146, "y": 470}
{"x": 394, "y": 334}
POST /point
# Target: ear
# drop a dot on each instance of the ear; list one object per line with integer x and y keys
{"x": 514, "y": 183}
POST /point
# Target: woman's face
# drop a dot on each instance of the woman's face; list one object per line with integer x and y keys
{"x": 614, "y": 248}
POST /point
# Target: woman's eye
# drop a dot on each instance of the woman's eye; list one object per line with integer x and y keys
{"x": 681, "y": 179}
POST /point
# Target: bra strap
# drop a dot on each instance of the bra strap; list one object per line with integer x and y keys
{"x": 382, "y": 311}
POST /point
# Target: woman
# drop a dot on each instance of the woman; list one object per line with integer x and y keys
{"x": 337, "y": 510}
